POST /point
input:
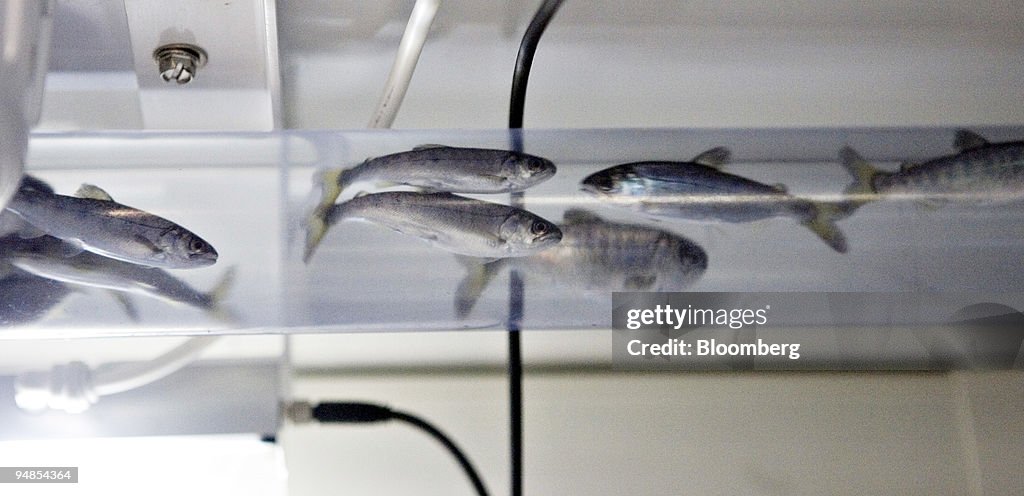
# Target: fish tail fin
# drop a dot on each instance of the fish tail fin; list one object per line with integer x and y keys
{"x": 219, "y": 293}
{"x": 823, "y": 224}
{"x": 316, "y": 227}
{"x": 863, "y": 173}
{"x": 332, "y": 182}
{"x": 479, "y": 274}
{"x": 861, "y": 190}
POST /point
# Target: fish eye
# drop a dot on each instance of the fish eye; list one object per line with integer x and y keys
{"x": 533, "y": 165}
{"x": 196, "y": 245}
{"x": 539, "y": 227}
{"x": 604, "y": 182}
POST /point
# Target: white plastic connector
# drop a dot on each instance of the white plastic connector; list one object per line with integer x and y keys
{"x": 67, "y": 388}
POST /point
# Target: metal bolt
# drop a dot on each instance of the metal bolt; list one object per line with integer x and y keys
{"x": 179, "y": 61}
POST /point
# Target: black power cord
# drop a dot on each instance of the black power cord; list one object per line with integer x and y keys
{"x": 527, "y": 48}
{"x": 364, "y": 413}
{"x": 520, "y": 78}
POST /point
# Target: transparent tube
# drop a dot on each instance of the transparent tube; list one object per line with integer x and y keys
{"x": 250, "y": 194}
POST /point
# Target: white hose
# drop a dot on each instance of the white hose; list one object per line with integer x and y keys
{"x": 113, "y": 379}
{"x": 73, "y": 388}
{"x": 405, "y": 62}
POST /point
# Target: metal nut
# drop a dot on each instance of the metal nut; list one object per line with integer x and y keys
{"x": 179, "y": 62}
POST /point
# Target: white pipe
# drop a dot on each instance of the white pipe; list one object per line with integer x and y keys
{"x": 118, "y": 378}
{"x": 74, "y": 387}
{"x": 405, "y": 62}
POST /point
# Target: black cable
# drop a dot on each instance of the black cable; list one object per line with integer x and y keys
{"x": 520, "y": 78}
{"x": 524, "y": 60}
{"x": 478, "y": 484}
{"x": 515, "y": 382}
{"x": 361, "y": 413}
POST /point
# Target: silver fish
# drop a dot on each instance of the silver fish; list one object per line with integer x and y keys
{"x": 447, "y": 169}
{"x": 45, "y": 257}
{"x": 596, "y": 254}
{"x": 460, "y": 225}
{"x": 439, "y": 168}
{"x": 981, "y": 173}
{"x": 95, "y": 222}
{"x": 698, "y": 190}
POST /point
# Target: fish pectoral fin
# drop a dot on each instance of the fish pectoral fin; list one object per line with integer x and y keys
{"x": 144, "y": 241}
{"x": 218, "y": 294}
{"x": 427, "y": 146}
{"x": 968, "y": 140}
{"x": 715, "y": 157}
{"x": 71, "y": 247}
{"x": 93, "y": 192}
{"x": 494, "y": 177}
{"x": 479, "y": 273}
{"x": 223, "y": 286}
{"x": 579, "y": 216}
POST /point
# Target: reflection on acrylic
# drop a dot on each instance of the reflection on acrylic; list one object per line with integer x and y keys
{"x": 45, "y": 258}
{"x": 27, "y": 298}
{"x": 596, "y": 255}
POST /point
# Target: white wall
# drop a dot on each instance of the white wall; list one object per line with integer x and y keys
{"x": 667, "y": 434}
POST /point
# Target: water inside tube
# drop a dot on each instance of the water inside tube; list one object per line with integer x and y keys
{"x": 250, "y": 195}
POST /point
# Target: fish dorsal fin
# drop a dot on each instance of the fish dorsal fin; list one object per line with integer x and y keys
{"x": 969, "y": 140}
{"x": 579, "y": 216}
{"x": 781, "y": 188}
{"x": 715, "y": 157}
{"x": 427, "y": 147}
{"x": 905, "y": 166}
{"x": 93, "y": 192}
{"x": 33, "y": 183}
